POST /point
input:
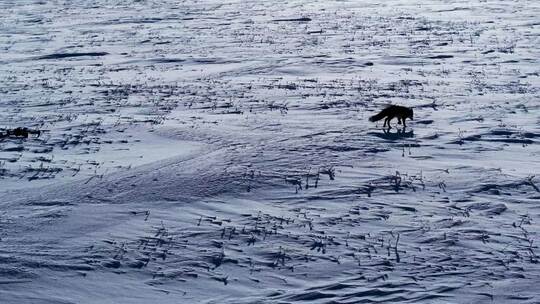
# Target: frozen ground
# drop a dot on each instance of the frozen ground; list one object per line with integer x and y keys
{"x": 209, "y": 152}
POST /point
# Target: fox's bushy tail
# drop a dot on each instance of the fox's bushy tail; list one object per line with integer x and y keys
{"x": 379, "y": 116}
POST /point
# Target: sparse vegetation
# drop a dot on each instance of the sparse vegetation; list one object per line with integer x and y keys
{"x": 204, "y": 151}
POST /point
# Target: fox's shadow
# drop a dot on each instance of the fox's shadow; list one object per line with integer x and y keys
{"x": 398, "y": 134}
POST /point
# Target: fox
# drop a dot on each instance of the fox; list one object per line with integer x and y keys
{"x": 19, "y": 132}
{"x": 392, "y": 111}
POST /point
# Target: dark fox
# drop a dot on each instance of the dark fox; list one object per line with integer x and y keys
{"x": 393, "y": 111}
{"x": 19, "y": 132}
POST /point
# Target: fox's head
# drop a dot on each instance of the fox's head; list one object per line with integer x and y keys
{"x": 410, "y": 114}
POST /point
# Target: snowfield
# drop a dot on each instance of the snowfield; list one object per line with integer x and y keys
{"x": 203, "y": 151}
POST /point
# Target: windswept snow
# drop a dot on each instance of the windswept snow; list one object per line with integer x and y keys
{"x": 220, "y": 152}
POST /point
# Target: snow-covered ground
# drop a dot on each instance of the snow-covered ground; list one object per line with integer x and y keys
{"x": 220, "y": 152}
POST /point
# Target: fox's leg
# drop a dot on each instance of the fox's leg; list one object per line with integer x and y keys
{"x": 404, "y": 125}
{"x": 399, "y": 120}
